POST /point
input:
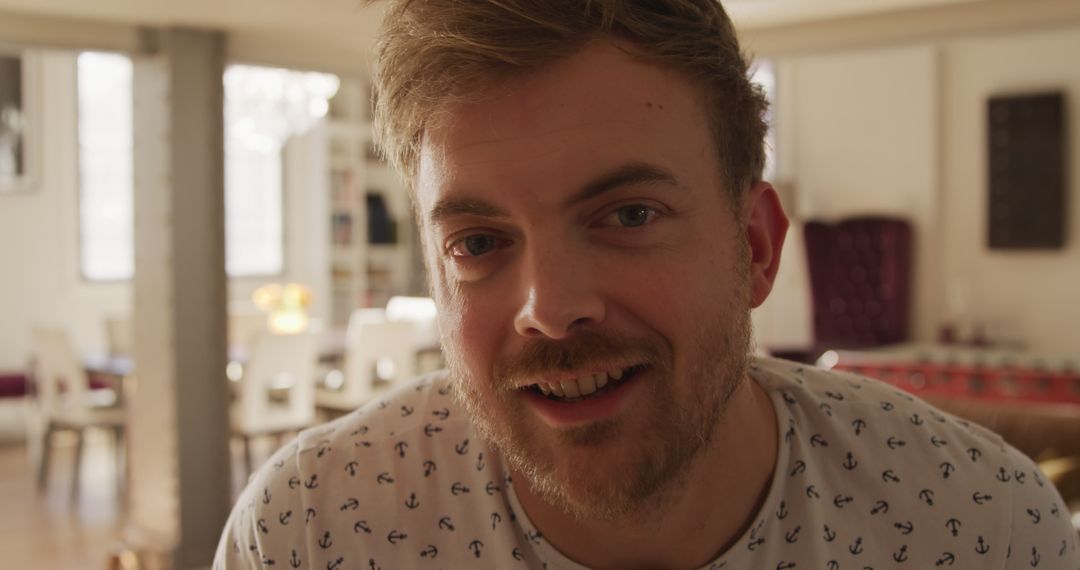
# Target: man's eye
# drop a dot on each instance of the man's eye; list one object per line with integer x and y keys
{"x": 474, "y": 245}
{"x": 634, "y": 215}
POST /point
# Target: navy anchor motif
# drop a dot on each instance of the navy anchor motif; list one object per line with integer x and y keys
{"x": 947, "y": 469}
{"x": 850, "y": 462}
{"x": 791, "y": 537}
{"x": 830, "y": 534}
{"x": 954, "y": 526}
{"x": 395, "y": 537}
{"x": 800, "y": 467}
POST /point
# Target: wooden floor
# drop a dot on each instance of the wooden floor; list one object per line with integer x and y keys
{"x": 53, "y": 530}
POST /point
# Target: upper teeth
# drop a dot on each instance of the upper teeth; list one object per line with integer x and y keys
{"x": 581, "y": 386}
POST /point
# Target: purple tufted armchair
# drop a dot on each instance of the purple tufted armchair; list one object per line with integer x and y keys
{"x": 860, "y": 280}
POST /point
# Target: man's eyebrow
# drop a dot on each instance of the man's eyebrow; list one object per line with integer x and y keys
{"x": 626, "y": 175}
{"x": 464, "y": 207}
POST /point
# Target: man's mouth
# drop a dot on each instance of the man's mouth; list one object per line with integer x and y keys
{"x": 586, "y": 386}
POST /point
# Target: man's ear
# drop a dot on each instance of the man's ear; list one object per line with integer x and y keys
{"x": 766, "y": 226}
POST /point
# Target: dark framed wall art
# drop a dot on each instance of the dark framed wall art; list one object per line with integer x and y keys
{"x": 1027, "y": 183}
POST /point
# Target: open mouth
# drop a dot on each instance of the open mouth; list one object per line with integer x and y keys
{"x": 587, "y": 386}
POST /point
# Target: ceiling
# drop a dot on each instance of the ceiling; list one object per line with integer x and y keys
{"x": 353, "y": 17}
{"x": 765, "y": 13}
{"x": 357, "y": 20}
{"x": 338, "y": 34}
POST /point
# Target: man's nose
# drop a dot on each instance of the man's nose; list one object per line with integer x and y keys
{"x": 561, "y": 294}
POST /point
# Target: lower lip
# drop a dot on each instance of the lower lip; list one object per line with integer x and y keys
{"x": 593, "y": 409}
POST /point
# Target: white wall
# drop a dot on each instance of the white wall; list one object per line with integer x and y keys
{"x": 900, "y": 130}
{"x": 857, "y": 136}
{"x": 39, "y": 234}
{"x": 39, "y": 267}
{"x": 1033, "y": 295}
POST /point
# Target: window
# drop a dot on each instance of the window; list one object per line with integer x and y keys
{"x": 764, "y": 74}
{"x": 263, "y": 108}
{"x": 105, "y": 169}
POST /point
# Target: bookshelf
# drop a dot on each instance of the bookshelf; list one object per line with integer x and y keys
{"x": 366, "y": 215}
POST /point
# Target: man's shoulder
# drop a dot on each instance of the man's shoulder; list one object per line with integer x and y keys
{"x": 367, "y": 443}
{"x": 407, "y": 465}
{"x": 869, "y": 446}
{"x": 421, "y": 408}
{"x": 853, "y": 405}
{"x": 401, "y": 436}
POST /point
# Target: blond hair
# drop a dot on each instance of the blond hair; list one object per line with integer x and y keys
{"x": 436, "y": 52}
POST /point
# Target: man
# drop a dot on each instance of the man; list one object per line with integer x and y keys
{"x": 587, "y": 180}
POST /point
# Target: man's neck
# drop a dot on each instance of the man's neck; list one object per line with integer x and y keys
{"x": 724, "y": 489}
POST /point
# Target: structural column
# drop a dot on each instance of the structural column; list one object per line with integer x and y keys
{"x": 178, "y": 425}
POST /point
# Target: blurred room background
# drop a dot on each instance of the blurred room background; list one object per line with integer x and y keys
{"x": 202, "y": 250}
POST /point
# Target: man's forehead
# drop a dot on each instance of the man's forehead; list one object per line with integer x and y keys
{"x": 600, "y": 99}
{"x": 600, "y": 80}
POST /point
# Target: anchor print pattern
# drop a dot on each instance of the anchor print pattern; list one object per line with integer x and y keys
{"x": 866, "y": 477}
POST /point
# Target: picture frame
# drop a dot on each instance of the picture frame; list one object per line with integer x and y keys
{"x": 18, "y": 124}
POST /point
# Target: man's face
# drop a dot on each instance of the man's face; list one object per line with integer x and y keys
{"x": 581, "y": 241}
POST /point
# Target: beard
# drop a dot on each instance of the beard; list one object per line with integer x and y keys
{"x": 627, "y": 467}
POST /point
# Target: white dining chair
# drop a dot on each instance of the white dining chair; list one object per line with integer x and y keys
{"x": 420, "y": 311}
{"x": 120, "y": 336}
{"x": 276, "y": 392}
{"x": 65, "y": 401}
{"x": 378, "y": 354}
{"x": 243, "y": 329}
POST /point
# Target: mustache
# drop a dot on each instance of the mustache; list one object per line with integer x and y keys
{"x": 586, "y": 349}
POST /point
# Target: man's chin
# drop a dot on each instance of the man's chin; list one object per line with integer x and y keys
{"x": 593, "y": 492}
{"x": 592, "y": 475}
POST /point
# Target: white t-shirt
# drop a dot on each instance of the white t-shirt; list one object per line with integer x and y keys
{"x": 866, "y": 477}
